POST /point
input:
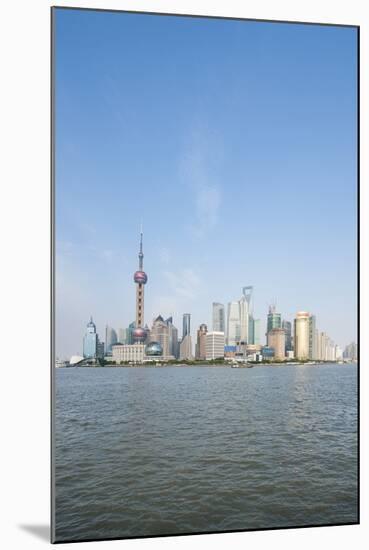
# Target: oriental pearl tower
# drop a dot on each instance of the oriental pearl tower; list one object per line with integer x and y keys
{"x": 140, "y": 278}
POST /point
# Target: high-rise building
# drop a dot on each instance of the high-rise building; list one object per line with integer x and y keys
{"x": 233, "y": 324}
{"x": 312, "y": 338}
{"x": 90, "y": 341}
{"x": 122, "y": 336}
{"x": 186, "y": 325}
{"x": 201, "y": 342}
{"x": 256, "y": 323}
{"x": 287, "y": 327}
{"x": 245, "y": 312}
{"x": 274, "y": 319}
{"x": 350, "y": 352}
{"x": 214, "y": 345}
{"x": 302, "y": 332}
{"x": 173, "y": 338}
{"x": 277, "y": 341}
{"x": 110, "y": 339}
{"x": 185, "y": 348}
{"x": 100, "y": 353}
{"x": 218, "y": 317}
{"x": 140, "y": 278}
{"x": 160, "y": 333}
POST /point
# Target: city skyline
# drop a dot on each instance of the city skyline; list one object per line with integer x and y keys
{"x": 233, "y": 182}
{"x": 240, "y": 328}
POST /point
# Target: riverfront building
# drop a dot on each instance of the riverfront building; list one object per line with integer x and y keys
{"x": 350, "y": 352}
{"x": 218, "y": 317}
{"x": 110, "y": 339}
{"x": 233, "y": 324}
{"x": 214, "y": 345}
{"x": 200, "y": 352}
{"x": 287, "y": 327}
{"x": 185, "y": 348}
{"x": 90, "y": 341}
{"x": 277, "y": 341}
{"x": 160, "y": 333}
{"x": 274, "y": 319}
{"x": 302, "y": 335}
{"x": 312, "y": 338}
{"x": 125, "y": 353}
{"x": 173, "y": 338}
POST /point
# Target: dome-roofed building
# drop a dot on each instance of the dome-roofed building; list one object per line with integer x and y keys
{"x": 154, "y": 349}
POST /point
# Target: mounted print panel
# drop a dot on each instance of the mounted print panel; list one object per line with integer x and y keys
{"x": 205, "y": 364}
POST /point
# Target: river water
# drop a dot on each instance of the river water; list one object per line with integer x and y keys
{"x": 147, "y": 450}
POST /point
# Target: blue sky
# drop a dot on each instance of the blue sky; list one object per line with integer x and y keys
{"x": 235, "y": 144}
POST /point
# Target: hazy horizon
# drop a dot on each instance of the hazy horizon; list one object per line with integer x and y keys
{"x": 233, "y": 142}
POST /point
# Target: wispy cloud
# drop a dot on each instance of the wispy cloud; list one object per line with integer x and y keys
{"x": 184, "y": 283}
{"x": 199, "y": 167}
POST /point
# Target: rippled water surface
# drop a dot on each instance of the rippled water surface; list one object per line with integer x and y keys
{"x": 149, "y": 451}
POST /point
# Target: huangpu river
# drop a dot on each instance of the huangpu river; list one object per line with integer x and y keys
{"x": 145, "y": 451}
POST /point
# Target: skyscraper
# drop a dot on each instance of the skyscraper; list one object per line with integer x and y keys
{"x": 160, "y": 333}
{"x": 218, "y": 317}
{"x": 256, "y": 323}
{"x": 312, "y": 338}
{"x": 245, "y": 312}
{"x": 233, "y": 324}
{"x": 140, "y": 278}
{"x": 286, "y": 325}
{"x": 302, "y": 331}
{"x": 173, "y": 337}
{"x": 274, "y": 319}
{"x": 277, "y": 341}
{"x": 185, "y": 348}
{"x": 110, "y": 339}
{"x": 201, "y": 342}
{"x": 90, "y": 341}
{"x": 350, "y": 351}
{"x": 186, "y": 328}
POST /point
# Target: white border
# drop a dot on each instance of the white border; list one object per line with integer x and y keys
{"x": 25, "y": 222}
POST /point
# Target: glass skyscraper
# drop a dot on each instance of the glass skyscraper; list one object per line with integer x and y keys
{"x": 90, "y": 340}
{"x": 218, "y": 317}
{"x": 274, "y": 319}
{"x": 186, "y": 325}
{"x": 110, "y": 338}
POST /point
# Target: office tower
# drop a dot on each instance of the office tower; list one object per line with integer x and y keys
{"x": 173, "y": 338}
{"x": 110, "y": 339}
{"x": 312, "y": 337}
{"x": 218, "y": 317}
{"x": 277, "y": 341}
{"x": 256, "y": 323}
{"x": 129, "y": 333}
{"x": 100, "y": 352}
{"x": 160, "y": 333}
{"x": 274, "y": 319}
{"x": 140, "y": 278}
{"x": 214, "y": 345}
{"x": 350, "y": 352}
{"x": 302, "y": 331}
{"x": 186, "y": 324}
{"x": 338, "y": 353}
{"x": 122, "y": 335}
{"x": 185, "y": 348}
{"x": 201, "y": 342}
{"x": 245, "y": 311}
{"x": 233, "y": 324}
{"x": 90, "y": 341}
{"x": 287, "y": 327}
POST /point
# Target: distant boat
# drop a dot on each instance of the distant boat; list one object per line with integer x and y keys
{"x": 235, "y": 366}
{"x": 60, "y": 363}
